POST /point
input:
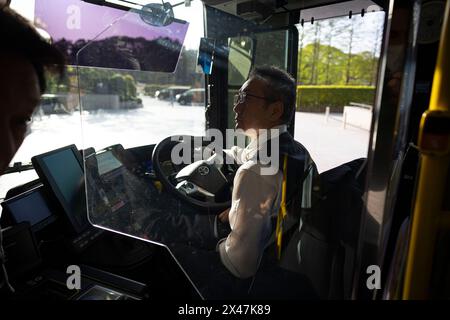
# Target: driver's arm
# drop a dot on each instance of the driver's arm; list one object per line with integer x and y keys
{"x": 255, "y": 198}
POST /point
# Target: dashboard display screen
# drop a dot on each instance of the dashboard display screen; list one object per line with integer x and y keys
{"x": 62, "y": 172}
{"x": 30, "y": 207}
{"x": 107, "y": 162}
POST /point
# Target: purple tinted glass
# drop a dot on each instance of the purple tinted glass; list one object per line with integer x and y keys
{"x": 117, "y": 36}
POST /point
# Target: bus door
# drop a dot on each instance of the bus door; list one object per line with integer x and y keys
{"x": 427, "y": 262}
{"x": 408, "y": 55}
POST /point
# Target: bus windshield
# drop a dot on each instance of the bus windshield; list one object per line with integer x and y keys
{"x": 125, "y": 87}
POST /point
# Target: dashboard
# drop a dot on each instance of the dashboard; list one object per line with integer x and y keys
{"x": 50, "y": 221}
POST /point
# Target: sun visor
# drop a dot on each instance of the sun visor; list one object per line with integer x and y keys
{"x": 100, "y": 36}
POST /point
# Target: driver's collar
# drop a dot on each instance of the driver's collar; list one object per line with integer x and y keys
{"x": 251, "y": 150}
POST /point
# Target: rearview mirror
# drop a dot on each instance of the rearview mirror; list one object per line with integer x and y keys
{"x": 158, "y": 15}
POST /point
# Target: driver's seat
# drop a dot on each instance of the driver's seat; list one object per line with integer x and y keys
{"x": 320, "y": 245}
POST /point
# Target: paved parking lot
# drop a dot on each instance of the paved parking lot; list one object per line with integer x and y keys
{"x": 328, "y": 142}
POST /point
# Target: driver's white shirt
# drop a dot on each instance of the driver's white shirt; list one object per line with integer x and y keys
{"x": 256, "y": 198}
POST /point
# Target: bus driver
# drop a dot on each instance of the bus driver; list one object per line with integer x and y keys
{"x": 265, "y": 101}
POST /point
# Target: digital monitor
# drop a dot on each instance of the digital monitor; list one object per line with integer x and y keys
{"x": 62, "y": 172}
{"x": 107, "y": 162}
{"x": 31, "y": 207}
{"x": 97, "y": 292}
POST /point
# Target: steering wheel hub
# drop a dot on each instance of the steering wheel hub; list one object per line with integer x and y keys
{"x": 204, "y": 184}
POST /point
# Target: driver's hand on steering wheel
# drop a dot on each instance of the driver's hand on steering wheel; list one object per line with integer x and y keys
{"x": 223, "y": 216}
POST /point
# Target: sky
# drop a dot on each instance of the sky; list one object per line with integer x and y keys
{"x": 365, "y": 37}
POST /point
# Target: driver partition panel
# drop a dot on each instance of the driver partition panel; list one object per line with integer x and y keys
{"x": 122, "y": 192}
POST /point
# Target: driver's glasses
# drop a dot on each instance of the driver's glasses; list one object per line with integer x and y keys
{"x": 241, "y": 97}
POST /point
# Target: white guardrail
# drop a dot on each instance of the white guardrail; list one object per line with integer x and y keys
{"x": 356, "y": 115}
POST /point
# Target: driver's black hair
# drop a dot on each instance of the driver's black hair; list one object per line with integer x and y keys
{"x": 281, "y": 86}
{"x": 18, "y": 37}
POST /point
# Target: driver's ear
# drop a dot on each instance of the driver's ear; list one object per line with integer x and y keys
{"x": 276, "y": 111}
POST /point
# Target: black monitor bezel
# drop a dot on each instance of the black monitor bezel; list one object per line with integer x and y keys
{"x": 45, "y": 176}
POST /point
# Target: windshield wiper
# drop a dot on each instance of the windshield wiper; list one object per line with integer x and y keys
{"x": 19, "y": 167}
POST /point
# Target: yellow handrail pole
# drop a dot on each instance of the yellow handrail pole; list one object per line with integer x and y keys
{"x": 432, "y": 178}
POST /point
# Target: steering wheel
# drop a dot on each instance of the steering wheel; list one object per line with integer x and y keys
{"x": 204, "y": 184}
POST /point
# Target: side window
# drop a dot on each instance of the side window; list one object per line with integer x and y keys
{"x": 265, "y": 48}
{"x": 272, "y": 48}
{"x": 336, "y": 78}
{"x": 239, "y": 59}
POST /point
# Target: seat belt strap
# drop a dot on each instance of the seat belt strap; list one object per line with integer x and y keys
{"x": 282, "y": 212}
